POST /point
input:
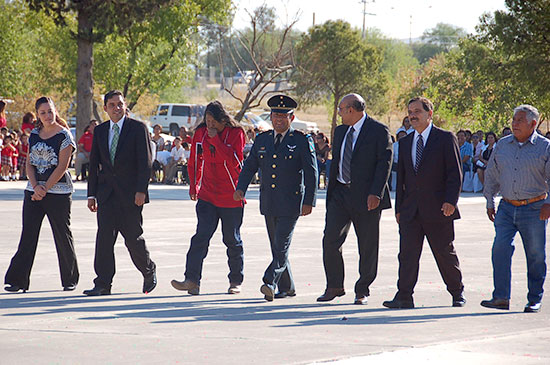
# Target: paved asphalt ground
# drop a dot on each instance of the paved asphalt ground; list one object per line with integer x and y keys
{"x": 49, "y": 326}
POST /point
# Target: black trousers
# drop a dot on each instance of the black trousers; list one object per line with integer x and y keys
{"x": 113, "y": 217}
{"x": 58, "y": 209}
{"x": 278, "y": 274}
{"x": 339, "y": 217}
{"x": 440, "y": 236}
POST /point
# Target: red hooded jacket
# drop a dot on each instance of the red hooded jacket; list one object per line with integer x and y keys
{"x": 214, "y": 166}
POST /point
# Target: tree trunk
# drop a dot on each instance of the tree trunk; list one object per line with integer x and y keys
{"x": 84, "y": 80}
{"x": 334, "y": 116}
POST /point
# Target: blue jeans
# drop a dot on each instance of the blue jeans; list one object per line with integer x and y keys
{"x": 525, "y": 220}
{"x": 208, "y": 216}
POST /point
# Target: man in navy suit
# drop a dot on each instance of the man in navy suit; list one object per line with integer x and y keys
{"x": 120, "y": 168}
{"x": 429, "y": 179}
{"x": 288, "y": 184}
{"x": 357, "y": 193}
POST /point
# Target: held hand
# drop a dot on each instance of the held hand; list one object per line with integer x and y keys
{"x": 212, "y": 132}
{"x": 373, "y": 202}
{"x": 306, "y": 209}
{"x": 92, "y": 205}
{"x": 36, "y": 197}
{"x": 397, "y": 216}
{"x": 448, "y": 209}
{"x": 193, "y": 196}
{"x": 545, "y": 212}
{"x": 40, "y": 191}
{"x": 491, "y": 214}
{"x": 238, "y": 195}
{"x": 140, "y": 199}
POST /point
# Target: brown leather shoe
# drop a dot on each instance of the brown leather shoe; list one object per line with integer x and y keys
{"x": 496, "y": 303}
{"x": 330, "y": 294}
{"x": 360, "y": 299}
{"x": 191, "y": 287}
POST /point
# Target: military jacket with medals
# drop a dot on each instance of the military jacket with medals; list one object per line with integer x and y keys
{"x": 288, "y": 177}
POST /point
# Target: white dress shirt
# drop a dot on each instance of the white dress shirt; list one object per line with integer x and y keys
{"x": 425, "y": 135}
{"x": 356, "y": 130}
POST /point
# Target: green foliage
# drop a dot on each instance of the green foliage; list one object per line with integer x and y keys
{"x": 440, "y": 39}
{"x": 333, "y": 61}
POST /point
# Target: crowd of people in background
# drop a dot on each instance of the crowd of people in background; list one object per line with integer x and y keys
{"x": 170, "y": 157}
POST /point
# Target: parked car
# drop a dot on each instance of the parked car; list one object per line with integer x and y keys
{"x": 254, "y": 121}
{"x": 243, "y": 77}
{"x": 301, "y": 125}
{"x": 173, "y": 116}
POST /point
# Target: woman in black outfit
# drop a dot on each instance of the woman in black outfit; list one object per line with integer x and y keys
{"x": 48, "y": 192}
{"x": 490, "y": 139}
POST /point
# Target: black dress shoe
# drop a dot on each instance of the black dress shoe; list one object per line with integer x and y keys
{"x": 532, "y": 307}
{"x": 69, "y": 287}
{"x": 96, "y": 291}
{"x": 360, "y": 299}
{"x": 150, "y": 282}
{"x": 15, "y": 288}
{"x": 330, "y": 294}
{"x": 398, "y": 304}
{"x": 496, "y": 303}
{"x": 285, "y": 294}
{"x": 459, "y": 301}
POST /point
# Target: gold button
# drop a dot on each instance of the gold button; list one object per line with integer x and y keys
{"x": 261, "y": 156}
{"x": 273, "y": 186}
{"x": 274, "y": 156}
{"x": 296, "y": 193}
{"x": 290, "y": 156}
{"x": 273, "y": 165}
{"x": 273, "y": 176}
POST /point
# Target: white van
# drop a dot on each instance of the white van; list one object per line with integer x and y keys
{"x": 173, "y": 116}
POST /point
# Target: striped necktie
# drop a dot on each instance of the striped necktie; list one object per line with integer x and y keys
{"x": 346, "y": 158}
{"x": 419, "y": 151}
{"x": 278, "y": 140}
{"x": 114, "y": 142}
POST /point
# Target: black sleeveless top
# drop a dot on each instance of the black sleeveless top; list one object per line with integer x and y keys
{"x": 44, "y": 157}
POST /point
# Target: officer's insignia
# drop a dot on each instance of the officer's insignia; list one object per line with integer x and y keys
{"x": 262, "y": 148}
{"x": 291, "y": 148}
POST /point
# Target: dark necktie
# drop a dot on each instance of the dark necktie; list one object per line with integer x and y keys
{"x": 419, "y": 151}
{"x": 346, "y": 158}
{"x": 114, "y": 142}
{"x": 278, "y": 140}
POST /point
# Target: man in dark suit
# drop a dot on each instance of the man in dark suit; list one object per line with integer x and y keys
{"x": 357, "y": 193}
{"x": 429, "y": 178}
{"x": 288, "y": 184}
{"x": 120, "y": 168}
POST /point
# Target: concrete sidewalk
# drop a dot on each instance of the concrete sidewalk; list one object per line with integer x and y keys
{"x": 47, "y": 325}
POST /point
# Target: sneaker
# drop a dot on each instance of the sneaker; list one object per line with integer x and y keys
{"x": 191, "y": 287}
{"x": 234, "y": 288}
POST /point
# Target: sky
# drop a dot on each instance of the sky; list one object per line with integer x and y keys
{"x": 397, "y": 19}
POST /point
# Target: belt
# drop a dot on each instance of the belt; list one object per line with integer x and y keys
{"x": 519, "y": 203}
{"x": 344, "y": 185}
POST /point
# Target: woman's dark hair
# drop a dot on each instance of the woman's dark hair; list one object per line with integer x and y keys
{"x": 220, "y": 115}
{"x": 2, "y": 108}
{"x": 58, "y": 119}
{"x": 29, "y": 117}
{"x": 491, "y": 134}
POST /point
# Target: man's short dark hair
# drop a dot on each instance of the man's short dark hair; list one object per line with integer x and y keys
{"x": 358, "y": 105}
{"x": 426, "y": 103}
{"x": 110, "y": 94}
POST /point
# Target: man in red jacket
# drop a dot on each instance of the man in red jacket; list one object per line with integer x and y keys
{"x": 214, "y": 166}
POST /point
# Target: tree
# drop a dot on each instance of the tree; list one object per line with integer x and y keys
{"x": 442, "y": 38}
{"x": 264, "y": 50}
{"x": 95, "y": 20}
{"x": 155, "y": 54}
{"x": 333, "y": 61}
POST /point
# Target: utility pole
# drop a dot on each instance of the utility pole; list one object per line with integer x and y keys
{"x": 410, "y": 29}
{"x": 364, "y": 2}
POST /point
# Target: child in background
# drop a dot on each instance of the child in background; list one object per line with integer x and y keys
{"x": 6, "y": 158}
{"x": 14, "y": 157}
{"x": 23, "y": 153}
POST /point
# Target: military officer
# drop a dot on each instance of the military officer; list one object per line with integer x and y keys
{"x": 288, "y": 185}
